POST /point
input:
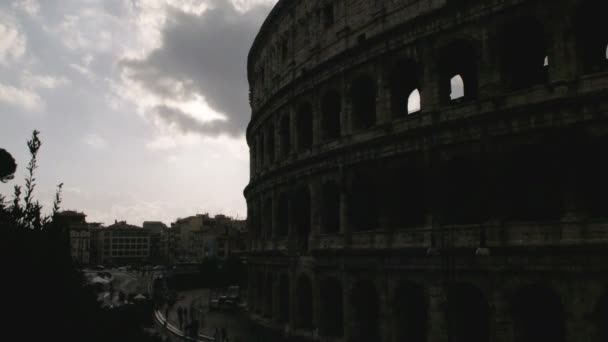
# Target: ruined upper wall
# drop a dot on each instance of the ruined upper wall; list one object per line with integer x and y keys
{"x": 297, "y": 36}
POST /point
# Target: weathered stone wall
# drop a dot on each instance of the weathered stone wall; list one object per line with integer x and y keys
{"x": 491, "y": 193}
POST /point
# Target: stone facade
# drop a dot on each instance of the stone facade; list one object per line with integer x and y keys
{"x": 430, "y": 170}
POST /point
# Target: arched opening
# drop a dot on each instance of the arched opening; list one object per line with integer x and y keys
{"x": 363, "y": 98}
{"x": 283, "y": 216}
{"x": 304, "y": 124}
{"x": 270, "y": 143}
{"x": 530, "y": 186}
{"x": 302, "y": 217}
{"x": 600, "y": 318}
{"x": 267, "y": 218}
{"x": 413, "y": 102}
{"x": 456, "y": 87}
{"x": 331, "y": 108}
{"x": 457, "y": 65}
{"x": 591, "y": 35}
{"x": 537, "y": 315}
{"x": 304, "y": 301}
{"x": 365, "y": 311}
{"x": 284, "y": 299}
{"x": 524, "y": 52}
{"x": 462, "y": 191}
{"x": 410, "y": 307}
{"x": 285, "y": 134}
{"x": 330, "y": 217}
{"x": 363, "y": 212}
{"x": 332, "y": 321}
{"x": 268, "y": 296}
{"x": 468, "y": 314}
{"x": 595, "y": 180}
{"x": 404, "y": 88}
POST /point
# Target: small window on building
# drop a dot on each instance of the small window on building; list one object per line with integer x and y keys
{"x": 457, "y": 87}
{"x": 546, "y": 63}
{"x": 413, "y": 102}
{"x": 328, "y": 15}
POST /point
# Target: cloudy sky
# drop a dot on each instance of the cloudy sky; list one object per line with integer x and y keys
{"x": 141, "y": 104}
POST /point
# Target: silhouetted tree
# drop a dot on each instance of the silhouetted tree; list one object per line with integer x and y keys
{"x": 7, "y": 166}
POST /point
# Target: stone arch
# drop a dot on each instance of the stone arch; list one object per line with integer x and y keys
{"x": 283, "y": 215}
{"x": 332, "y": 316}
{"x": 285, "y": 135}
{"x": 284, "y": 298}
{"x": 600, "y": 318}
{"x": 305, "y": 127}
{"x": 410, "y": 312}
{"x": 331, "y": 108}
{"x": 403, "y": 83}
{"x": 462, "y": 191}
{"x": 591, "y": 36}
{"x": 268, "y": 295}
{"x": 467, "y": 314}
{"x": 363, "y": 100}
{"x": 304, "y": 303}
{"x": 364, "y": 300}
{"x": 330, "y": 211}
{"x": 537, "y": 315}
{"x": 458, "y": 59}
{"x": 363, "y": 211}
{"x": 302, "y": 216}
{"x": 523, "y": 53}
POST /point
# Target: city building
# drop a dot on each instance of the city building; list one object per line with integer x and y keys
{"x": 430, "y": 170}
{"x": 158, "y": 230}
{"x": 78, "y": 230}
{"x": 121, "y": 244}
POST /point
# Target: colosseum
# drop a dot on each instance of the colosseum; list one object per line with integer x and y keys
{"x": 430, "y": 170}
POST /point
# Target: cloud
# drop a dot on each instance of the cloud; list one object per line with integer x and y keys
{"x": 12, "y": 42}
{"x": 201, "y": 55}
{"x": 20, "y": 97}
{"x": 31, "y": 7}
{"x": 95, "y": 141}
{"x": 32, "y": 81}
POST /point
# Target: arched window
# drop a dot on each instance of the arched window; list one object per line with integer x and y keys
{"x": 404, "y": 88}
{"x": 363, "y": 98}
{"x": 413, "y": 102}
{"x": 304, "y": 301}
{"x": 410, "y": 308}
{"x": 283, "y": 216}
{"x": 475, "y": 325}
{"x": 524, "y": 53}
{"x": 331, "y": 208}
{"x": 302, "y": 217}
{"x": 591, "y": 35}
{"x": 285, "y": 134}
{"x": 304, "y": 123}
{"x": 538, "y": 315}
{"x": 364, "y": 302}
{"x": 456, "y": 87}
{"x": 332, "y": 318}
{"x": 457, "y": 65}
{"x": 284, "y": 299}
{"x": 330, "y": 109}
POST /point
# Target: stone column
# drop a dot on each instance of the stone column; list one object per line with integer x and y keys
{"x": 317, "y": 120}
{"x": 383, "y": 96}
{"x": 430, "y": 88}
{"x": 501, "y": 327}
{"x": 344, "y": 224}
{"x": 437, "y": 323}
{"x": 316, "y": 201}
{"x": 346, "y": 106}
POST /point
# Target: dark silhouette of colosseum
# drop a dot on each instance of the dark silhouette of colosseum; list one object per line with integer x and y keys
{"x": 430, "y": 170}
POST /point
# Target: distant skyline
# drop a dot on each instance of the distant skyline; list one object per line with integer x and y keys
{"x": 142, "y": 104}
